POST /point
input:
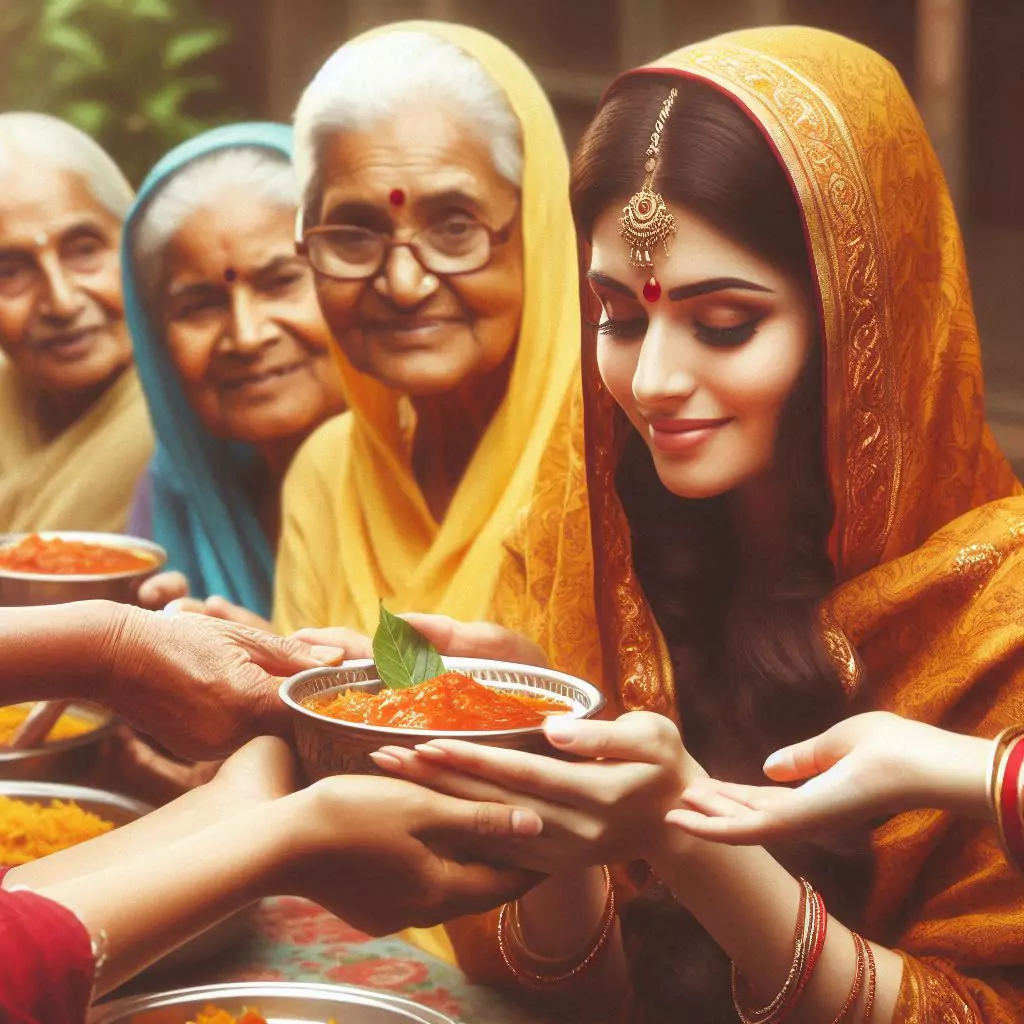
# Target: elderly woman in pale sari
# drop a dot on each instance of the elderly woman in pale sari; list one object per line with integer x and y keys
{"x": 435, "y": 216}
{"x": 74, "y": 434}
{"x": 235, "y": 358}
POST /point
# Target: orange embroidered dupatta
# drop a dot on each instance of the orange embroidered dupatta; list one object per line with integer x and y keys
{"x": 928, "y": 540}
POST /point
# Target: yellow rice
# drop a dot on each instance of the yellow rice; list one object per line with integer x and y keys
{"x": 66, "y": 727}
{"x": 29, "y": 831}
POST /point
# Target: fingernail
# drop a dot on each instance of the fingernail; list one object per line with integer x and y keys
{"x": 562, "y": 730}
{"x": 388, "y": 762}
{"x": 774, "y": 761}
{"x": 526, "y": 823}
{"x": 172, "y": 608}
{"x": 428, "y": 750}
{"x": 328, "y": 656}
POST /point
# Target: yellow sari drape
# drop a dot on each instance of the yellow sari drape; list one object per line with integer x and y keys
{"x": 929, "y": 533}
{"x": 356, "y": 527}
{"x": 85, "y": 478}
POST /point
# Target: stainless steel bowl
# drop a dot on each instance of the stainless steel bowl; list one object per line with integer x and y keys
{"x": 278, "y": 1002}
{"x": 65, "y": 760}
{"x": 19, "y": 589}
{"x": 330, "y": 747}
{"x": 121, "y": 810}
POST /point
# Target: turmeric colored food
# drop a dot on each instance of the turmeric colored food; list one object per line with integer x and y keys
{"x": 58, "y": 557}
{"x": 29, "y": 831}
{"x": 213, "y": 1015}
{"x": 452, "y": 701}
{"x": 66, "y": 727}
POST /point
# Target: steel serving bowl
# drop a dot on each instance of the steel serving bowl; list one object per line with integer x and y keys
{"x": 19, "y": 589}
{"x": 279, "y": 1002}
{"x": 63, "y": 760}
{"x": 328, "y": 746}
{"x": 121, "y": 810}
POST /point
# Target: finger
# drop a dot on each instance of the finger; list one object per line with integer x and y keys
{"x": 748, "y": 831}
{"x": 755, "y": 797}
{"x": 355, "y": 646}
{"x": 284, "y": 656}
{"x": 406, "y": 764}
{"x": 639, "y": 736}
{"x": 221, "y": 608}
{"x": 487, "y": 819}
{"x": 476, "y": 639}
{"x": 185, "y": 606}
{"x": 476, "y": 888}
{"x": 545, "y": 778}
{"x": 155, "y": 592}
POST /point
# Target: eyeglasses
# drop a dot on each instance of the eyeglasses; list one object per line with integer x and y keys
{"x": 456, "y": 245}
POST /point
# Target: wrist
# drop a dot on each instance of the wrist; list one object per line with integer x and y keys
{"x": 959, "y": 781}
{"x": 118, "y": 650}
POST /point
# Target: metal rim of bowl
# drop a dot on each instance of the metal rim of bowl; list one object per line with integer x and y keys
{"x": 108, "y": 540}
{"x": 19, "y": 790}
{"x": 453, "y": 665}
{"x": 104, "y": 729}
{"x": 342, "y": 995}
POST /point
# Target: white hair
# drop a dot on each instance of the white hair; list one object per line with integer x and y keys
{"x": 199, "y": 185}
{"x": 369, "y": 80}
{"x": 29, "y": 140}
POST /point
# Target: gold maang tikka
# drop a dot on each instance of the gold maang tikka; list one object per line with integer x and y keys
{"x": 646, "y": 221}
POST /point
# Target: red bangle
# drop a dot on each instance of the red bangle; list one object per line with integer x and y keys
{"x": 1011, "y": 824}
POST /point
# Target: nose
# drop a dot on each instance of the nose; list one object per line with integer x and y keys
{"x": 666, "y": 370}
{"x": 403, "y": 281}
{"x": 62, "y": 300}
{"x": 251, "y": 329}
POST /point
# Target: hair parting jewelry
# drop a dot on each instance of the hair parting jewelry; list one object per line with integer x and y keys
{"x": 646, "y": 220}
{"x": 510, "y": 944}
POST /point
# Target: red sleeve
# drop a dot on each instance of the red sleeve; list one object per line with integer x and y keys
{"x": 46, "y": 964}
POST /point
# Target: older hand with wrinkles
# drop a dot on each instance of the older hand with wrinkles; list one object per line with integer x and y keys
{"x": 609, "y": 807}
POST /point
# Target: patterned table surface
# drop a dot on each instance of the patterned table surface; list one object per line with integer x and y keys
{"x": 295, "y": 940}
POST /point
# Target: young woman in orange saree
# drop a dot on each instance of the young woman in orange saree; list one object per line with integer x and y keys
{"x": 917, "y": 610}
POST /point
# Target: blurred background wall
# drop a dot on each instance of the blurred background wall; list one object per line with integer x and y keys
{"x": 143, "y": 74}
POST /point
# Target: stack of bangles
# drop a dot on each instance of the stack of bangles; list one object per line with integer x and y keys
{"x": 808, "y": 942}
{"x": 544, "y": 973}
{"x": 1006, "y": 781}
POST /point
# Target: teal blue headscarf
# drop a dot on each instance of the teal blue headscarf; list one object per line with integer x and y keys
{"x": 201, "y": 513}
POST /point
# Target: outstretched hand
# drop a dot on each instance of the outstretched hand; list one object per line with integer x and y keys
{"x": 869, "y": 766}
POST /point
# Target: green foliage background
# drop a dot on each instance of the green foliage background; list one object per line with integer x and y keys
{"x": 139, "y": 76}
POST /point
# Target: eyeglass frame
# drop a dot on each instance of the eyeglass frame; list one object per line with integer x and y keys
{"x": 499, "y": 236}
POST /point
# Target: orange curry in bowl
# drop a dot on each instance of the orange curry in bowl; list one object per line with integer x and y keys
{"x": 449, "y": 703}
{"x": 57, "y": 557}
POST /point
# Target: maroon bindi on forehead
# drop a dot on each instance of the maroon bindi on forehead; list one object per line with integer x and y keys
{"x": 396, "y": 197}
{"x": 230, "y": 274}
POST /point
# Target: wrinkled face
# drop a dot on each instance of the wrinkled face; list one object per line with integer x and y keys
{"x": 419, "y": 332}
{"x": 702, "y": 373}
{"x": 61, "y": 314}
{"x": 242, "y": 325}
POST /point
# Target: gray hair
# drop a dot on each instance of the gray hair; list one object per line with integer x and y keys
{"x": 369, "y": 80}
{"x": 198, "y": 186}
{"x": 30, "y": 140}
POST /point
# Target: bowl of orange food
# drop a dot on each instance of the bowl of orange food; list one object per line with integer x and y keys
{"x": 263, "y": 1002}
{"x": 73, "y": 748}
{"x": 54, "y": 567}
{"x": 342, "y": 714}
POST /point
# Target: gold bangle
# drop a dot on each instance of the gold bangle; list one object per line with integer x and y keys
{"x": 533, "y": 979}
{"x": 860, "y": 948}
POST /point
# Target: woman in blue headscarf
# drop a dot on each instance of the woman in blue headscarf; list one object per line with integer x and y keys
{"x": 234, "y": 357}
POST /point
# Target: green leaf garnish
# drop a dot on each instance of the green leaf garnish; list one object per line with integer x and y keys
{"x": 402, "y": 654}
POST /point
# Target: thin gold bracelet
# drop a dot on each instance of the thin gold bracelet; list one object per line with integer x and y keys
{"x": 534, "y": 979}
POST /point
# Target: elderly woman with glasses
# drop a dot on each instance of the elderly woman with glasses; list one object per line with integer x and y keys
{"x": 435, "y": 217}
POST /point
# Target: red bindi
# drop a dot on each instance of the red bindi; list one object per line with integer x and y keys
{"x": 652, "y": 290}
{"x": 396, "y": 197}
{"x": 230, "y": 274}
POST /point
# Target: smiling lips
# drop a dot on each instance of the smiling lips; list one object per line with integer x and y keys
{"x": 262, "y": 378}
{"x": 68, "y": 345}
{"x": 679, "y": 436}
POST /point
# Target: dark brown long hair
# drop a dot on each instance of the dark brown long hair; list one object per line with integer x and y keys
{"x": 751, "y": 672}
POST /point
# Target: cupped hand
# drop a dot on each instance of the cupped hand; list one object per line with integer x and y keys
{"x": 198, "y": 685}
{"x": 158, "y": 591}
{"x": 385, "y": 854}
{"x": 869, "y": 766}
{"x": 609, "y": 807}
{"x": 477, "y": 639}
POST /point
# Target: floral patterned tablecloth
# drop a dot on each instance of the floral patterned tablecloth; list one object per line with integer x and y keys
{"x": 295, "y": 940}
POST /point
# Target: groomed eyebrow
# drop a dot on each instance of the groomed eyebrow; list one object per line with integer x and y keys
{"x": 714, "y": 284}
{"x": 610, "y": 283}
